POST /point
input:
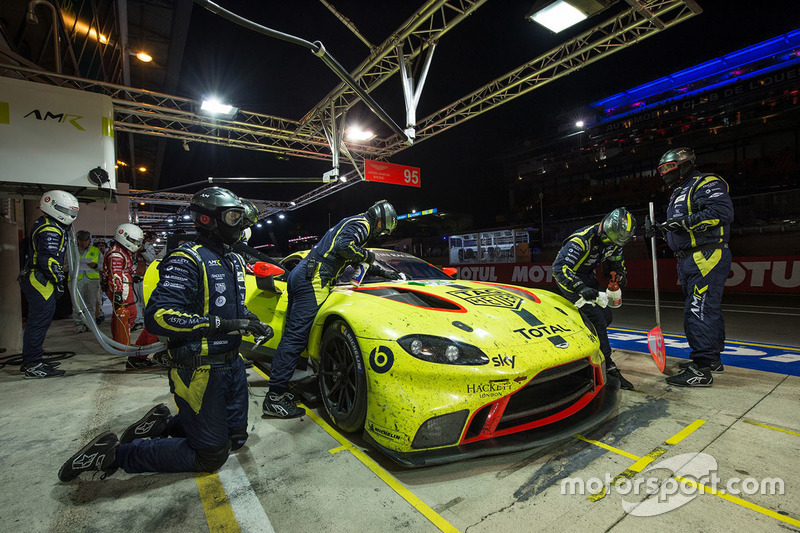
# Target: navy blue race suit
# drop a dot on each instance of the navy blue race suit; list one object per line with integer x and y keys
{"x": 704, "y": 260}
{"x": 309, "y": 285}
{"x": 42, "y": 281}
{"x": 208, "y": 381}
{"x": 574, "y": 269}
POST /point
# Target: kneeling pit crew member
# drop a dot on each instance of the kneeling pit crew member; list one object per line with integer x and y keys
{"x": 199, "y": 306}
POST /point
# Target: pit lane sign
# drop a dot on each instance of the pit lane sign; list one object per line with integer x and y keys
{"x": 384, "y": 172}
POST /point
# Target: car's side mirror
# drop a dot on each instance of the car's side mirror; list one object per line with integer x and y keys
{"x": 265, "y": 275}
{"x": 451, "y": 271}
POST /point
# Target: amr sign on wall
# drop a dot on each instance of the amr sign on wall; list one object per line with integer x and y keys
{"x": 384, "y": 172}
{"x": 53, "y": 136}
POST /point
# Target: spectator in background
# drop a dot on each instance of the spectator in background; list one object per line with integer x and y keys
{"x": 88, "y": 278}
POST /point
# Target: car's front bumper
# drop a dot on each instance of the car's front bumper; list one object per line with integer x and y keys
{"x": 602, "y": 407}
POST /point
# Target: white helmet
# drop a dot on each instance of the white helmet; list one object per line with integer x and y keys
{"x": 60, "y": 205}
{"x": 130, "y": 236}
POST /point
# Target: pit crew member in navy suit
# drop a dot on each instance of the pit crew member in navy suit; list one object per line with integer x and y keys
{"x": 42, "y": 278}
{"x": 198, "y": 305}
{"x": 574, "y": 271}
{"x": 309, "y": 285}
{"x": 697, "y": 230}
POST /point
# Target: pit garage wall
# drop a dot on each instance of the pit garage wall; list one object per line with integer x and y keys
{"x": 770, "y": 274}
{"x": 10, "y": 316}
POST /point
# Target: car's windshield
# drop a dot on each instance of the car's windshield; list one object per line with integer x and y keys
{"x": 412, "y": 267}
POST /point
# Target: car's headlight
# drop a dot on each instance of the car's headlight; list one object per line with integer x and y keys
{"x": 442, "y": 350}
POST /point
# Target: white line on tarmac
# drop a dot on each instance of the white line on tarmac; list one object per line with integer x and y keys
{"x": 726, "y": 309}
{"x": 248, "y": 510}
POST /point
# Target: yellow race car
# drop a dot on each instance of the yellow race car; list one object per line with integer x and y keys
{"x": 435, "y": 370}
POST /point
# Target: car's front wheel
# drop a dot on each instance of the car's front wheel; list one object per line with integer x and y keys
{"x": 341, "y": 377}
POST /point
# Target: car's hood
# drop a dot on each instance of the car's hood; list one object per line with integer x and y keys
{"x": 468, "y": 311}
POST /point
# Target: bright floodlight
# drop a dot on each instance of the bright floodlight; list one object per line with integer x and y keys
{"x": 579, "y": 124}
{"x": 144, "y": 57}
{"x": 215, "y": 107}
{"x": 558, "y": 16}
{"x": 357, "y": 134}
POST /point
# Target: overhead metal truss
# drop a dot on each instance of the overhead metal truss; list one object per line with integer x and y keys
{"x": 168, "y": 116}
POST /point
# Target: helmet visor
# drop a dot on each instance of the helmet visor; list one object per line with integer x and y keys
{"x": 70, "y": 211}
{"x": 666, "y": 168}
{"x": 232, "y": 217}
{"x": 135, "y": 242}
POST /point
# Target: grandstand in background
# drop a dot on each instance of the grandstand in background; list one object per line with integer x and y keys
{"x": 740, "y": 113}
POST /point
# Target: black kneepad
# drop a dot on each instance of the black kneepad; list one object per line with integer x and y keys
{"x": 238, "y": 438}
{"x": 211, "y": 459}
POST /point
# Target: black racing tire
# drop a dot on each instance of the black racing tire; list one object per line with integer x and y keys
{"x": 342, "y": 381}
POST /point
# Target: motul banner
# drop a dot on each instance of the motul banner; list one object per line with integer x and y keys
{"x": 779, "y": 274}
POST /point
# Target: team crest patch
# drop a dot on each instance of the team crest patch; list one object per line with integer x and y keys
{"x": 490, "y": 297}
{"x": 220, "y": 301}
{"x": 219, "y": 287}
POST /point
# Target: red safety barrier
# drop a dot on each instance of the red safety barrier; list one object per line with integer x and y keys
{"x": 773, "y": 274}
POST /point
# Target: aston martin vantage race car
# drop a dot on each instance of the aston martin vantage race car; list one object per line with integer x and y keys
{"x": 434, "y": 370}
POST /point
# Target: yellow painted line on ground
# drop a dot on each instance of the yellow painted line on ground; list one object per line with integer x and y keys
{"x": 607, "y": 447}
{"x": 387, "y": 478}
{"x": 710, "y": 490}
{"x": 645, "y": 460}
{"x": 772, "y": 427}
{"x": 738, "y": 501}
{"x": 219, "y": 513}
{"x": 376, "y": 469}
{"x": 685, "y": 432}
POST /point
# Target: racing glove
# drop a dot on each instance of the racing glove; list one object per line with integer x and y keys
{"x": 118, "y": 300}
{"x": 238, "y": 326}
{"x": 651, "y": 229}
{"x": 675, "y": 224}
{"x": 377, "y": 270}
{"x": 588, "y": 293}
{"x": 622, "y": 280}
{"x": 59, "y": 290}
{"x": 370, "y": 257}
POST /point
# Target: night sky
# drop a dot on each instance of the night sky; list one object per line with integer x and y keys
{"x": 461, "y": 167}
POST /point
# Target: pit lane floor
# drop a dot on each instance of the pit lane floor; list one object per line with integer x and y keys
{"x": 301, "y": 475}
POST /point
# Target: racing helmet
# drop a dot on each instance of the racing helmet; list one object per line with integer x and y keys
{"x": 617, "y": 227}
{"x": 250, "y": 212}
{"x": 675, "y": 165}
{"x": 382, "y": 217}
{"x": 218, "y": 213}
{"x": 130, "y": 236}
{"x": 60, "y": 205}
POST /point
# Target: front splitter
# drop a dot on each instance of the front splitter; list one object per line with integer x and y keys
{"x": 602, "y": 407}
